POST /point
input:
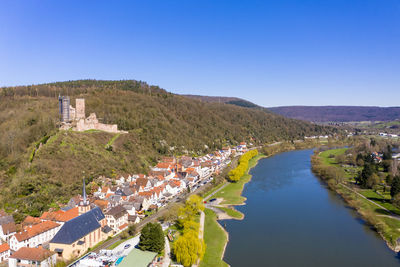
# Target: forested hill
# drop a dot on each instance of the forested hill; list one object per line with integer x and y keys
{"x": 339, "y": 113}
{"x": 316, "y": 113}
{"x": 40, "y": 165}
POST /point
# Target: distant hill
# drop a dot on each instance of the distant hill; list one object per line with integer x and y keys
{"x": 338, "y": 113}
{"x": 316, "y": 113}
{"x": 41, "y": 166}
{"x": 223, "y": 99}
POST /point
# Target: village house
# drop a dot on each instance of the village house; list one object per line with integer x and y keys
{"x": 117, "y": 217}
{"x": 4, "y": 252}
{"x": 34, "y": 235}
{"x": 32, "y": 257}
{"x": 7, "y": 227}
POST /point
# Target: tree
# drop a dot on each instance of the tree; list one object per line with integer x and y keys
{"x": 366, "y": 173}
{"x": 131, "y": 229}
{"x": 372, "y": 181}
{"x": 152, "y": 238}
{"x": 395, "y": 187}
{"x": 188, "y": 248}
{"x": 194, "y": 204}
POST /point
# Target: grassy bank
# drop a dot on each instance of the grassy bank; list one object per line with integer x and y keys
{"x": 384, "y": 221}
{"x": 232, "y": 193}
{"x": 215, "y": 238}
{"x": 232, "y": 212}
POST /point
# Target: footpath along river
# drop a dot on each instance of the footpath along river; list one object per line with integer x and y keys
{"x": 293, "y": 219}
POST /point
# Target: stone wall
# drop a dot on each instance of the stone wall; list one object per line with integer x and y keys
{"x": 92, "y": 123}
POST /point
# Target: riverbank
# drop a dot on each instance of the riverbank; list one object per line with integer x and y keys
{"x": 231, "y": 195}
{"x": 215, "y": 236}
{"x": 374, "y": 208}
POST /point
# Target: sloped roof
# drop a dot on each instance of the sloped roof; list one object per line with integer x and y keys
{"x": 34, "y": 254}
{"x": 4, "y": 247}
{"x": 60, "y": 215}
{"x": 79, "y": 227}
{"x": 9, "y": 228}
{"x": 35, "y": 230}
{"x": 141, "y": 181}
{"x": 117, "y": 211}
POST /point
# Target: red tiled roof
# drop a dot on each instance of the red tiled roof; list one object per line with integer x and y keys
{"x": 141, "y": 181}
{"x": 102, "y": 204}
{"x": 60, "y": 215}
{"x": 35, "y": 230}
{"x": 29, "y": 220}
{"x": 163, "y": 165}
{"x": 168, "y": 159}
{"x": 104, "y": 189}
{"x": 4, "y": 247}
{"x": 34, "y": 254}
{"x": 122, "y": 227}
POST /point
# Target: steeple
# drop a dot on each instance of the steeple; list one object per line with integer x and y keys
{"x": 84, "y": 203}
{"x": 84, "y": 192}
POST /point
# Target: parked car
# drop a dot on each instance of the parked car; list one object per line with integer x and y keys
{"x": 127, "y": 246}
{"x": 213, "y": 199}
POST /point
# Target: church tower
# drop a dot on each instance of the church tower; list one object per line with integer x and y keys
{"x": 84, "y": 205}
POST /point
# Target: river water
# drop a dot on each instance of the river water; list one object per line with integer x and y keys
{"x": 292, "y": 219}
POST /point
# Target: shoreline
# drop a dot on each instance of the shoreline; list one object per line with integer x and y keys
{"x": 271, "y": 151}
{"x": 352, "y": 198}
{"x": 232, "y": 206}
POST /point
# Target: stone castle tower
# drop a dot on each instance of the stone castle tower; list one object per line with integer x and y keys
{"x": 80, "y": 109}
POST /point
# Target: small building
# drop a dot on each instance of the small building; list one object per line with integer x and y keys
{"x": 116, "y": 217}
{"x": 32, "y": 257}
{"x": 4, "y": 252}
{"x": 34, "y": 235}
{"x": 7, "y": 226}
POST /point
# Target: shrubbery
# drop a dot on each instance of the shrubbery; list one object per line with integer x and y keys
{"x": 235, "y": 174}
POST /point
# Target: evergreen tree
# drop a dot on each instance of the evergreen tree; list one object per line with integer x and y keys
{"x": 395, "y": 188}
{"x": 152, "y": 238}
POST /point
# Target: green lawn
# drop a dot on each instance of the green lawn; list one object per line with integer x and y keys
{"x": 232, "y": 212}
{"x": 215, "y": 239}
{"x": 383, "y": 201}
{"x": 232, "y": 192}
{"x": 331, "y": 160}
{"x": 213, "y": 189}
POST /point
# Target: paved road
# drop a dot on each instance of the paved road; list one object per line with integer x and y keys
{"x": 216, "y": 191}
{"x": 142, "y": 223}
{"x": 121, "y": 247}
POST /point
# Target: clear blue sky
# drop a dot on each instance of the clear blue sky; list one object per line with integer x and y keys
{"x": 331, "y": 52}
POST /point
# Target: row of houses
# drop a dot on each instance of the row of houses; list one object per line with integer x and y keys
{"x": 89, "y": 219}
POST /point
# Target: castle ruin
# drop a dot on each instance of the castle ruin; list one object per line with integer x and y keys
{"x": 75, "y": 118}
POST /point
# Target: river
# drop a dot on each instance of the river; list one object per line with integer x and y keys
{"x": 293, "y": 219}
